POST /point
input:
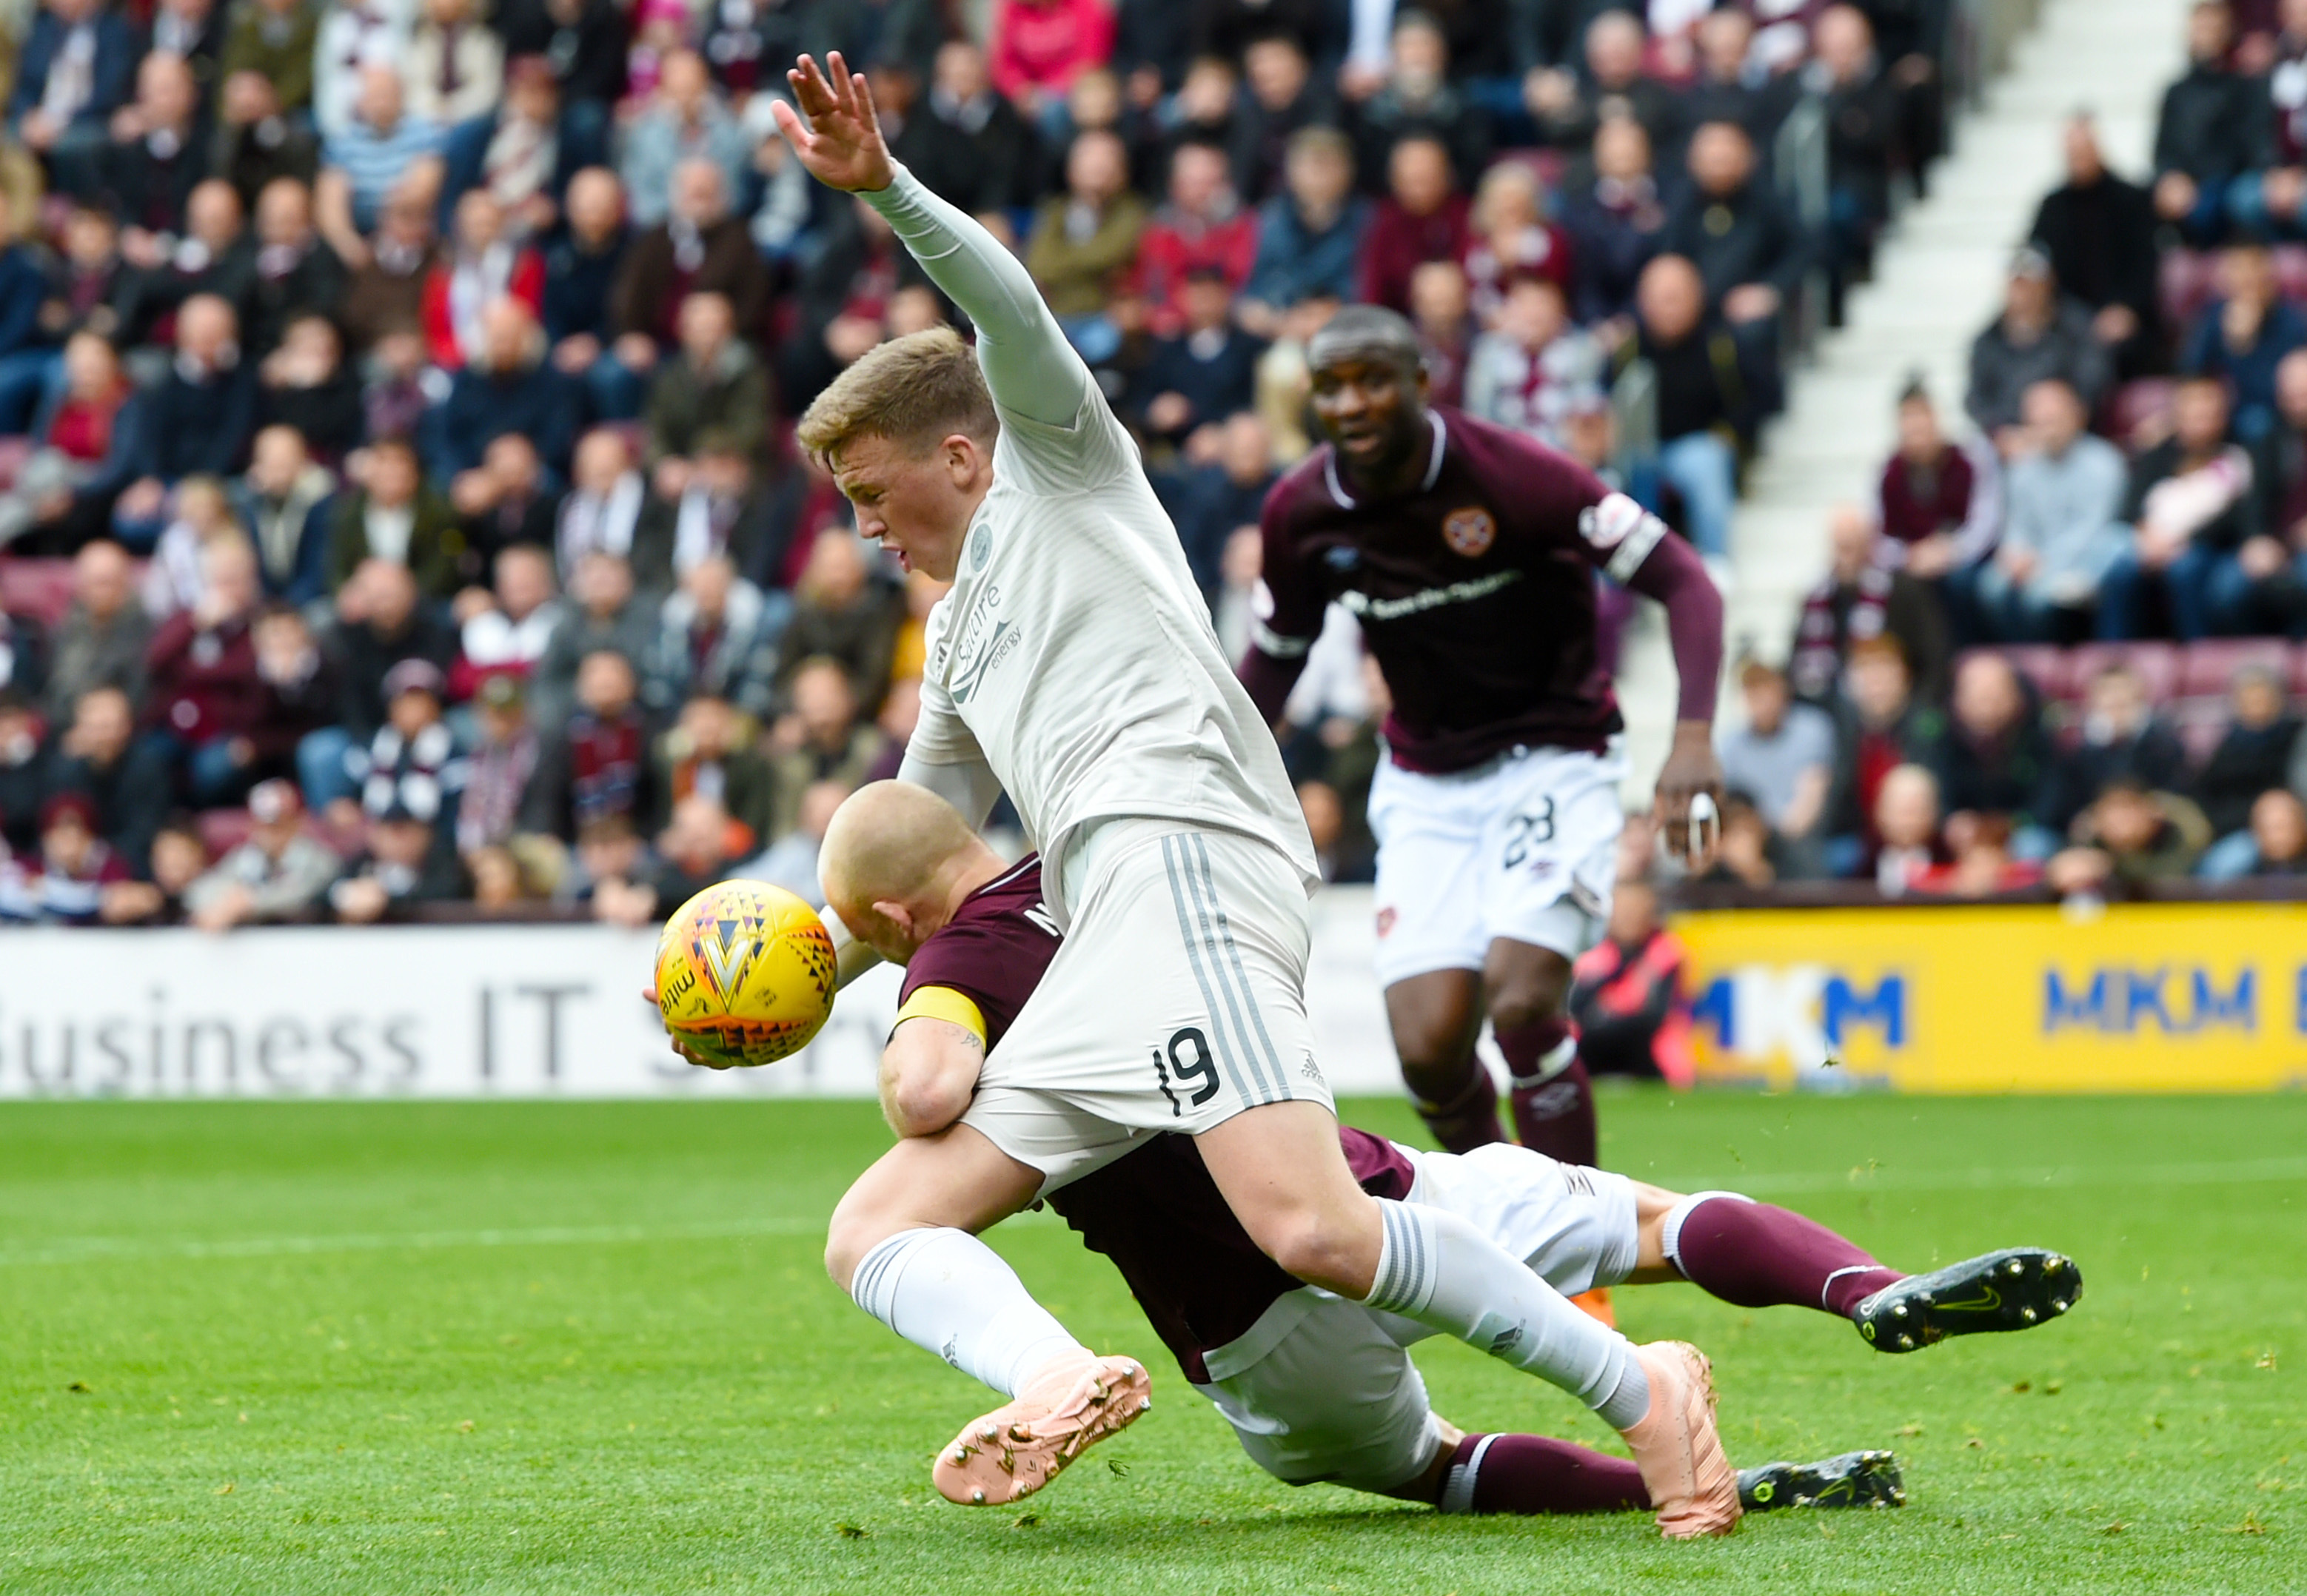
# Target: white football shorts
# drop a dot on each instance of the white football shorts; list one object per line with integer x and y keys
{"x": 1524, "y": 847}
{"x": 1323, "y": 1389}
{"x": 1176, "y": 999}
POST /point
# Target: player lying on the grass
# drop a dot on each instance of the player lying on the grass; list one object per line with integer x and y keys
{"x": 1318, "y": 1387}
{"x": 1072, "y": 664}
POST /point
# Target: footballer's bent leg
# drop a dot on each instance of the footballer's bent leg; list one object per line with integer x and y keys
{"x": 1436, "y": 1017}
{"x": 955, "y": 1178}
{"x": 1527, "y": 990}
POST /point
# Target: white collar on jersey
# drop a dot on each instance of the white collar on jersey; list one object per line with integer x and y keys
{"x": 1433, "y": 464}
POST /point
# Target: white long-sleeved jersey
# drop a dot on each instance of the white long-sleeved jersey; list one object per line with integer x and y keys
{"x": 1074, "y": 657}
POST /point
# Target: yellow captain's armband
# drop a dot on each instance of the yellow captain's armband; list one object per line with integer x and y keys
{"x": 943, "y": 1003}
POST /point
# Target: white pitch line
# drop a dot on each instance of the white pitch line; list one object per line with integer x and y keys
{"x": 74, "y": 1250}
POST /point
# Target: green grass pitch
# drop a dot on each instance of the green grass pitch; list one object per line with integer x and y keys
{"x": 588, "y": 1348}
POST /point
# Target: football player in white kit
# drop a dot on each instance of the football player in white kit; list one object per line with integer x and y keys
{"x": 1072, "y": 664}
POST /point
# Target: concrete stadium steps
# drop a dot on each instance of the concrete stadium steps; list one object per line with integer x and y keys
{"x": 1938, "y": 278}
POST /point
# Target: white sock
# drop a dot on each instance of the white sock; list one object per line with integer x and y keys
{"x": 949, "y": 1294}
{"x": 1436, "y": 1268}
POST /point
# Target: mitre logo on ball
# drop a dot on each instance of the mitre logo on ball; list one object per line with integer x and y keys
{"x": 1470, "y": 531}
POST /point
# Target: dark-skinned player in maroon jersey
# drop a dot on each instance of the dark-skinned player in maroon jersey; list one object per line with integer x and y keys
{"x": 1467, "y": 554}
{"x": 1317, "y": 1387}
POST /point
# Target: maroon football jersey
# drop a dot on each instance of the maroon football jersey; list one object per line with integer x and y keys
{"x": 993, "y": 950}
{"x": 1156, "y": 1213}
{"x": 1475, "y": 590}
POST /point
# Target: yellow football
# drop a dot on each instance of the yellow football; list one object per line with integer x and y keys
{"x": 744, "y": 973}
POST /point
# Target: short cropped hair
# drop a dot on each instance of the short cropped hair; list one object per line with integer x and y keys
{"x": 913, "y": 391}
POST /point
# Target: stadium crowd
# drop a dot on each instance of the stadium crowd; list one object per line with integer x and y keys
{"x": 398, "y": 505}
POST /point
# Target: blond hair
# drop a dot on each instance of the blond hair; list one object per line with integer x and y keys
{"x": 913, "y": 391}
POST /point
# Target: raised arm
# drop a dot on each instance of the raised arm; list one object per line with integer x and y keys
{"x": 1032, "y": 369}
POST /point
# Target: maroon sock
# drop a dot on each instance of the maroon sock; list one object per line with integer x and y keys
{"x": 1758, "y": 1256}
{"x": 1469, "y": 1118}
{"x": 1553, "y": 1105}
{"x": 1537, "y": 1474}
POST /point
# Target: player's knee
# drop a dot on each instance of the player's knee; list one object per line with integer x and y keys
{"x": 1523, "y": 991}
{"x": 1431, "y": 1047}
{"x": 853, "y": 1232}
{"x": 1320, "y": 1249}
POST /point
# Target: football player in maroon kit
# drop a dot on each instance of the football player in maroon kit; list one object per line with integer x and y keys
{"x": 1318, "y": 1387}
{"x": 1467, "y": 554}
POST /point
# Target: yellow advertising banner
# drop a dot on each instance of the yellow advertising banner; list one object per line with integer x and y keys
{"x": 2131, "y": 998}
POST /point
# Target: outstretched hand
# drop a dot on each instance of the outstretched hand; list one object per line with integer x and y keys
{"x": 840, "y": 143}
{"x": 1689, "y": 800}
{"x": 648, "y": 996}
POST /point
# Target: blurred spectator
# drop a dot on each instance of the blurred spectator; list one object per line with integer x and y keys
{"x": 301, "y": 690}
{"x": 2122, "y": 739}
{"x": 509, "y": 388}
{"x": 2279, "y": 461}
{"x": 717, "y": 635}
{"x": 1534, "y": 368}
{"x": 697, "y": 247}
{"x": 1705, "y": 404}
{"x": 1747, "y": 853}
{"x": 849, "y": 296}
{"x": 147, "y": 169}
{"x": 595, "y": 765}
{"x": 980, "y": 150}
{"x": 1422, "y": 218}
{"x": 90, "y": 274}
{"x": 685, "y": 122}
{"x": 352, "y": 40}
{"x": 841, "y": 612}
{"x": 2275, "y": 846}
{"x": 380, "y": 622}
{"x": 174, "y": 579}
{"x": 1738, "y": 82}
{"x": 394, "y": 401}
{"x": 712, "y": 752}
{"x": 1310, "y": 235}
{"x": 1907, "y": 850}
{"x": 1284, "y": 99}
{"x": 1209, "y": 503}
{"x": 206, "y": 699}
{"x": 603, "y": 615}
{"x": 102, "y": 640}
{"x": 1037, "y": 47}
{"x": 286, "y": 502}
{"x": 1995, "y": 759}
{"x": 1207, "y": 369}
{"x": 1509, "y": 238}
{"x": 2193, "y": 519}
{"x": 214, "y": 256}
{"x": 718, "y": 511}
{"x": 76, "y": 865}
{"x": 1880, "y": 725}
{"x": 582, "y": 41}
{"x": 2039, "y": 336}
{"x": 1443, "y": 319}
{"x": 694, "y": 851}
{"x": 1418, "y": 100}
{"x": 1569, "y": 105}
{"x": 1750, "y": 253}
{"x": 1616, "y": 222}
{"x": 1983, "y": 866}
{"x": 1234, "y": 607}
{"x": 2243, "y": 336}
{"x": 2097, "y": 231}
{"x": 2252, "y": 758}
{"x": 483, "y": 264}
{"x": 2128, "y": 837}
{"x": 2213, "y": 129}
{"x": 406, "y": 862}
{"x": 1783, "y": 757}
{"x": 499, "y": 766}
{"x": 384, "y": 150}
{"x": 77, "y": 66}
{"x": 2060, "y": 532}
{"x": 455, "y": 64}
{"x": 63, "y": 494}
{"x": 714, "y": 382}
{"x": 179, "y": 859}
{"x": 791, "y": 861}
{"x": 411, "y": 763}
{"x": 385, "y": 293}
{"x": 124, "y": 779}
{"x": 1863, "y": 133}
{"x": 1202, "y": 227}
{"x": 279, "y": 873}
{"x": 582, "y": 264}
{"x": 199, "y": 419}
{"x": 822, "y": 739}
{"x": 273, "y": 42}
{"x": 508, "y": 500}
{"x": 609, "y": 858}
{"x": 1627, "y": 993}
{"x": 1085, "y": 241}
{"x": 603, "y": 504}
{"x": 1859, "y": 598}
{"x": 1940, "y": 502}
{"x": 506, "y": 631}
{"x": 394, "y": 518}
{"x": 24, "y": 770}
{"x": 306, "y": 384}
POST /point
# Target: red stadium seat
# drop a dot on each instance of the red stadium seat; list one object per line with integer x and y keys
{"x": 41, "y": 588}
{"x": 2157, "y": 665}
{"x": 224, "y": 829}
{"x": 13, "y": 453}
{"x": 2131, "y": 408}
{"x": 2188, "y": 282}
{"x": 2299, "y": 672}
{"x": 2209, "y": 666}
{"x": 2290, "y": 270}
{"x": 2043, "y": 665}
